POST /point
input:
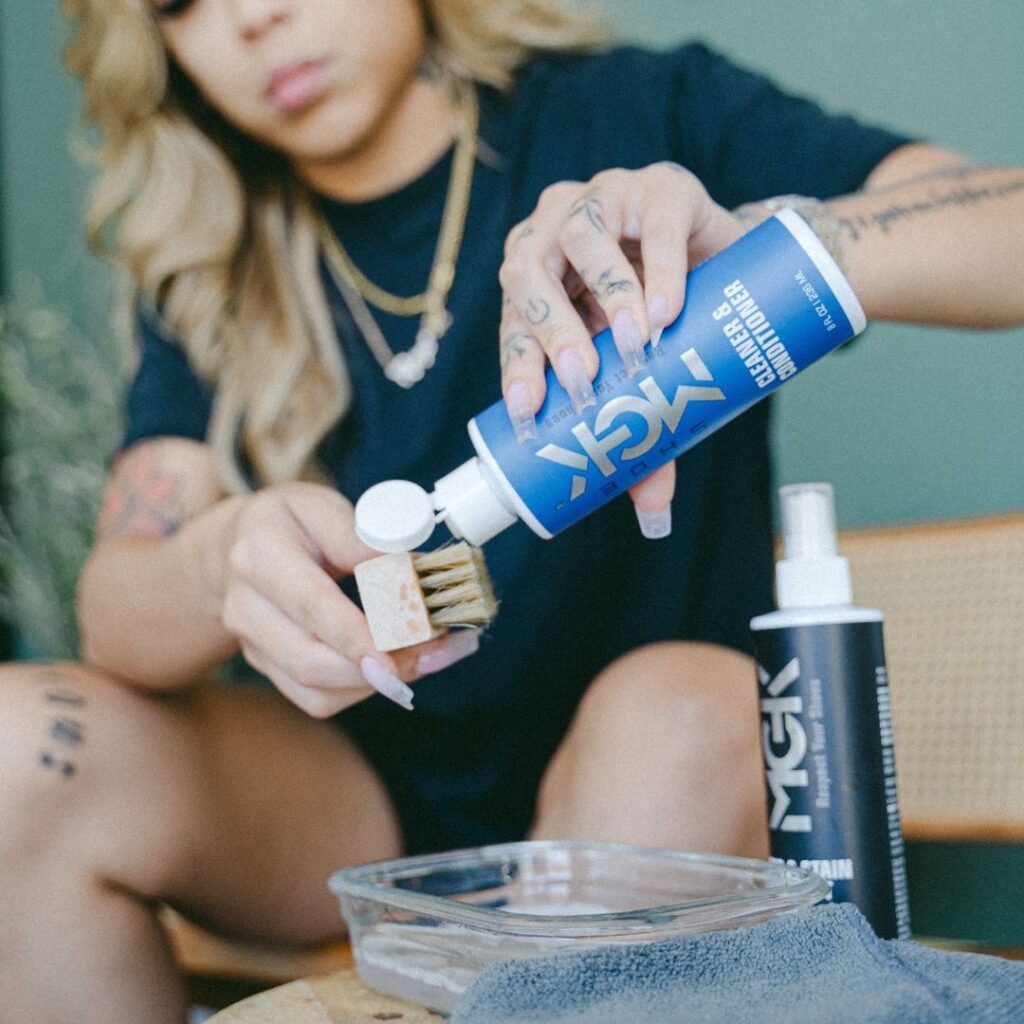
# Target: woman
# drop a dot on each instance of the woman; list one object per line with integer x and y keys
{"x": 279, "y": 178}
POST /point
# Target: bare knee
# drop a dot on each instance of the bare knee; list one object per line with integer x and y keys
{"x": 693, "y": 699}
{"x": 664, "y": 750}
{"x": 77, "y": 752}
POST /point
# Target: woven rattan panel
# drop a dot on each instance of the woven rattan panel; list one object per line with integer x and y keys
{"x": 953, "y": 597}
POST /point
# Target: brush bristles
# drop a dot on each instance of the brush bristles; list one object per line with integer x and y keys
{"x": 456, "y": 586}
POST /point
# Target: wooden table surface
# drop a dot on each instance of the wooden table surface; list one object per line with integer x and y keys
{"x": 338, "y": 998}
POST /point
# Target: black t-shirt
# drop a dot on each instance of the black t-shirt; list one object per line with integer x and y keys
{"x": 464, "y": 767}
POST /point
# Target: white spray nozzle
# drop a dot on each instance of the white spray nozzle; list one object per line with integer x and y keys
{"x": 811, "y": 572}
{"x": 808, "y": 520}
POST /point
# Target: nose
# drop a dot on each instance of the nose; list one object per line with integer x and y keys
{"x": 254, "y": 17}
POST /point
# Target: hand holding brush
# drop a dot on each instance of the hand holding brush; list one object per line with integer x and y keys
{"x": 289, "y": 544}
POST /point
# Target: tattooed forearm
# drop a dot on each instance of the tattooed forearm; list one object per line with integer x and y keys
{"x": 591, "y": 207}
{"x": 144, "y": 498}
{"x": 959, "y": 196}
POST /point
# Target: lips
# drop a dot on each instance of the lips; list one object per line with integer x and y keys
{"x": 294, "y": 87}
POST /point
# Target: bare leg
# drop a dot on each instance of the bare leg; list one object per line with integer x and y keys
{"x": 664, "y": 751}
{"x": 232, "y": 806}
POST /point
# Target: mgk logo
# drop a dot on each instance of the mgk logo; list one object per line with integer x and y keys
{"x": 782, "y": 731}
{"x": 656, "y": 412}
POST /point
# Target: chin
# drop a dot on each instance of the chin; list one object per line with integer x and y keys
{"x": 326, "y": 134}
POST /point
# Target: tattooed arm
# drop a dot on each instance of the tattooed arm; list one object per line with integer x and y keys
{"x": 931, "y": 238}
{"x": 147, "y": 602}
{"x": 181, "y": 577}
{"x": 935, "y": 238}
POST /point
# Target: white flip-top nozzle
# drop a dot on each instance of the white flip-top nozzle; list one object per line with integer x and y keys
{"x": 811, "y": 572}
{"x": 394, "y": 516}
{"x": 397, "y": 515}
{"x": 466, "y": 501}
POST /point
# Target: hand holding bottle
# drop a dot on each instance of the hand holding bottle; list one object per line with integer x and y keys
{"x": 613, "y": 251}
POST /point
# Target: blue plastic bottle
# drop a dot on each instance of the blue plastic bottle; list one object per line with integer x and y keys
{"x": 756, "y": 314}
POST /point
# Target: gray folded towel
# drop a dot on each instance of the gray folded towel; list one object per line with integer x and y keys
{"x": 823, "y": 965}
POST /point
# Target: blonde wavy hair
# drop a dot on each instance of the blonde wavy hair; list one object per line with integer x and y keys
{"x": 211, "y": 228}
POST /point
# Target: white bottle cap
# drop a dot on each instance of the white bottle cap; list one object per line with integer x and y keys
{"x": 811, "y": 573}
{"x": 394, "y": 516}
{"x": 467, "y": 502}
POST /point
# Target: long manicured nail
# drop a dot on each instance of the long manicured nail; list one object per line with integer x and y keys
{"x": 455, "y": 647}
{"x": 520, "y": 411}
{"x": 385, "y": 683}
{"x": 655, "y": 525}
{"x": 573, "y": 375}
{"x": 630, "y": 342}
{"x": 657, "y": 315}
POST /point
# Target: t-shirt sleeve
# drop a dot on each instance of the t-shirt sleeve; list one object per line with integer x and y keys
{"x": 165, "y": 398}
{"x": 747, "y": 139}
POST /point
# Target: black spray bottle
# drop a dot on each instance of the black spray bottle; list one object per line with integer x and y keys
{"x": 825, "y": 722}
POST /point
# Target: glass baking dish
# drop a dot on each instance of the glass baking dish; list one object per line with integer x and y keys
{"x": 422, "y": 928}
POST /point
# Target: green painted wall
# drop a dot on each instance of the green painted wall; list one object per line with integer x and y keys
{"x": 43, "y": 187}
{"x": 913, "y": 424}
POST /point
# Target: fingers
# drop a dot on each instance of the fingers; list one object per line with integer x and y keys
{"x": 590, "y": 237}
{"x": 315, "y": 702}
{"x": 574, "y": 233}
{"x": 279, "y": 567}
{"x": 522, "y": 367}
{"x": 667, "y": 205}
{"x": 567, "y": 270}
{"x": 317, "y": 678}
{"x": 292, "y": 621}
{"x": 572, "y": 266}
{"x": 532, "y": 279}
{"x": 283, "y": 604}
{"x": 652, "y": 500}
{"x": 319, "y": 674}
{"x": 327, "y": 518}
{"x": 308, "y": 661}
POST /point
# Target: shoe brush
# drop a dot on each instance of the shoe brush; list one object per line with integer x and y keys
{"x": 411, "y": 597}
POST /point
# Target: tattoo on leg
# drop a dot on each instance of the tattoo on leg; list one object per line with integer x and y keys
{"x": 67, "y": 731}
{"x": 144, "y": 498}
{"x": 66, "y": 734}
{"x": 590, "y": 206}
{"x": 65, "y": 697}
{"x": 66, "y": 769}
{"x": 537, "y": 311}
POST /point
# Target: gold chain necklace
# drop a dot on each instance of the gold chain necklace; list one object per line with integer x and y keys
{"x": 409, "y": 368}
